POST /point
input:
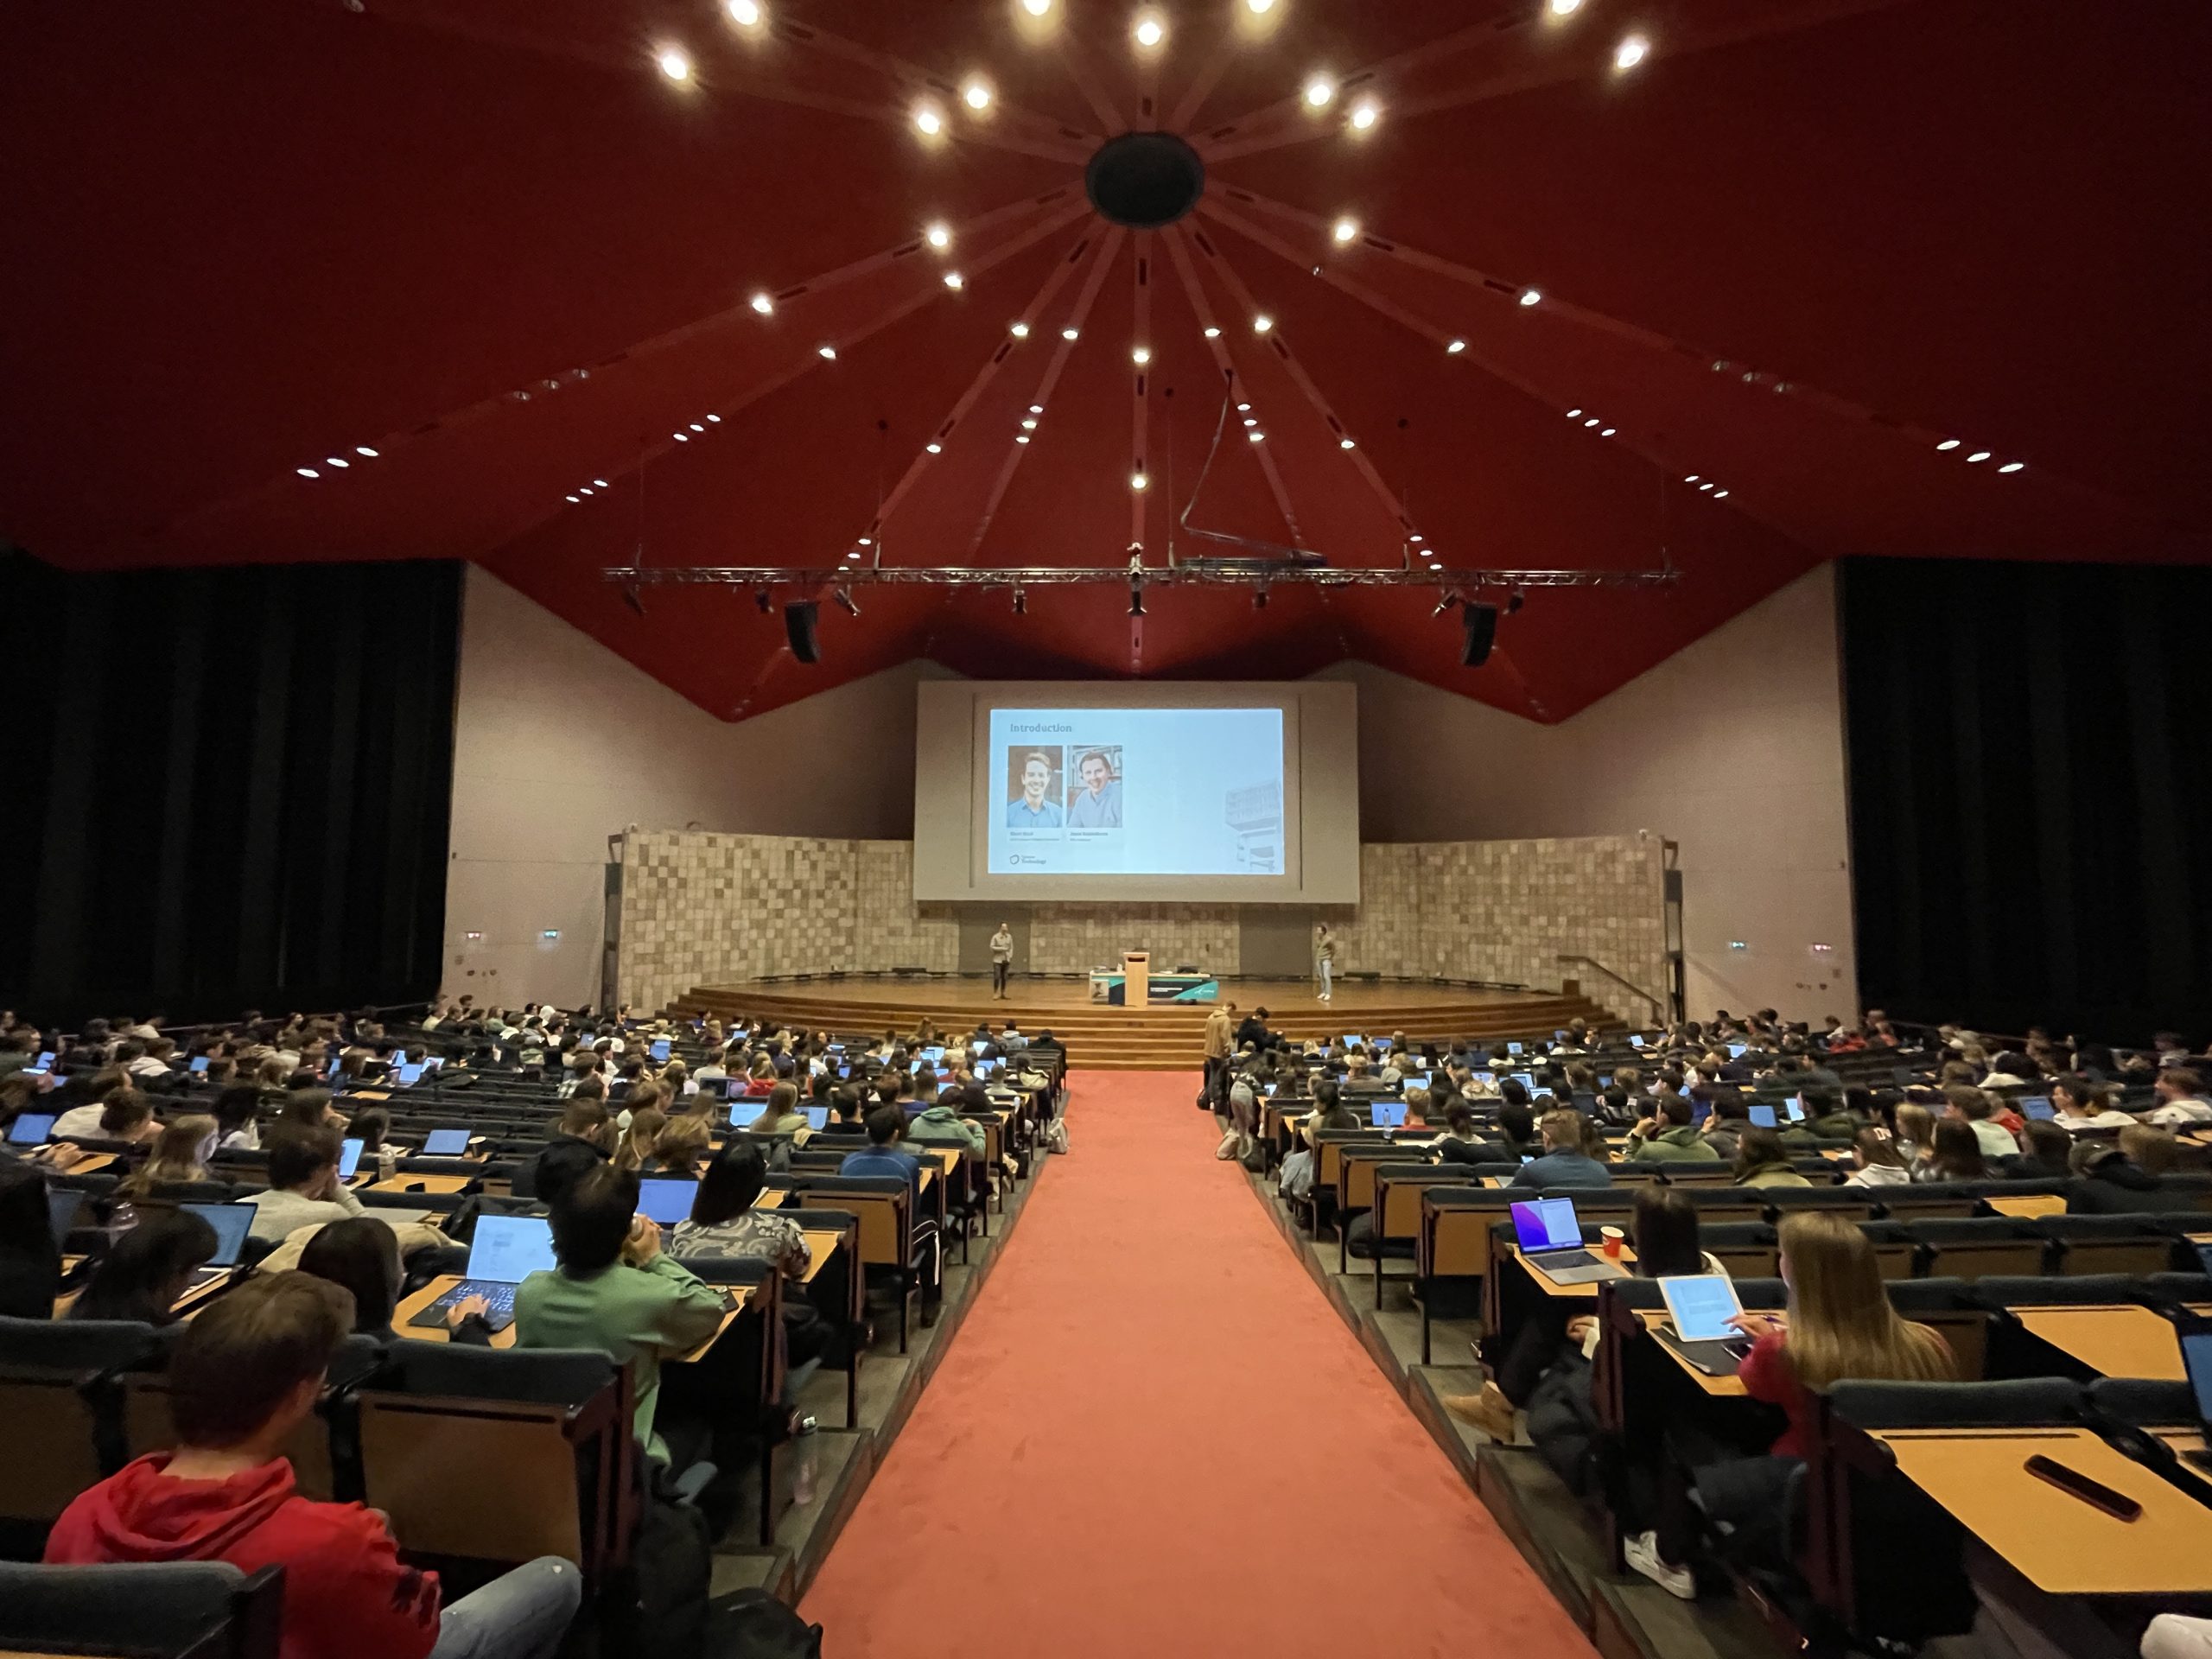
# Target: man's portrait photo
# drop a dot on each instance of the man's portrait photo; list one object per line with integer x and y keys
{"x": 1095, "y": 798}
{"x": 1034, "y": 784}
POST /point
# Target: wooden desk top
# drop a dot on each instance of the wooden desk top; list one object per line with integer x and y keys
{"x": 821, "y": 1243}
{"x": 772, "y": 1197}
{"x": 443, "y": 1185}
{"x": 2030, "y": 1206}
{"x": 421, "y": 1298}
{"x": 2116, "y": 1341}
{"x": 2058, "y": 1543}
{"x": 1655, "y": 1320}
{"x": 1551, "y": 1287}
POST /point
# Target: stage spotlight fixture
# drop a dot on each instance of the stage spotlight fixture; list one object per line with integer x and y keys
{"x": 1481, "y": 624}
{"x": 802, "y": 618}
{"x": 1021, "y": 602}
{"x": 844, "y": 596}
{"x": 764, "y": 601}
{"x": 1136, "y": 596}
{"x": 1260, "y": 598}
{"x": 1445, "y": 604}
{"x": 1514, "y": 601}
{"x": 635, "y": 599}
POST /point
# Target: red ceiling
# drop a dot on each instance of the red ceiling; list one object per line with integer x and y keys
{"x": 250, "y": 234}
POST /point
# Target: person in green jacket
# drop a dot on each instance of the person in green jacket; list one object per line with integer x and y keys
{"x": 1826, "y": 1121}
{"x": 939, "y": 1125}
{"x": 1762, "y": 1160}
{"x": 615, "y": 1291}
{"x": 1666, "y": 1136}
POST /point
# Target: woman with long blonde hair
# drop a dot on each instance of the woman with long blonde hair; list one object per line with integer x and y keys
{"x": 180, "y": 1155}
{"x": 639, "y": 1139}
{"x": 1838, "y": 1327}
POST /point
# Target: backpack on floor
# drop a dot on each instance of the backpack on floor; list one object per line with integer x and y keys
{"x": 1055, "y": 1137}
{"x": 665, "y": 1610}
{"x": 753, "y": 1624}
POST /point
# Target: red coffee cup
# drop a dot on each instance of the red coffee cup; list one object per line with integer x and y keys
{"x": 1611, "y": 1239}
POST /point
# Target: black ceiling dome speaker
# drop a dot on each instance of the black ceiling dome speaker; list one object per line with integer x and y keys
{"x": 801, "y": 619}
{"x": 1481, "y": 622}
{"x": 1145, "y": 180}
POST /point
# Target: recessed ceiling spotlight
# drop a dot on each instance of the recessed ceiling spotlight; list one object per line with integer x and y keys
{"x": 1243, "y": 409}
{"x": 928, "y": 121}
{"x": 1532, "y": 297}
{"x": 938, "y": 236}
{"x": 1345, "y": 230}
{"x": 934, "y": 448}
{"x": 1261, "y": 323}
{"x": 364, "y": 449}
{"x": 952, "y": 280}
{"x": 1150, "y": 31}
{"x": 1948, "y": 445}
{"x": 1691, "y": 478}
{"x": 1257, "y": 437}
{"x": 762, "y": 303}
{"x": 695, "y": 426}
{"x": 745, "y": 14}
{"x": 1259, "y": 8}
{"x": 976, "y": 94}
{"x": 1720, "y": 495}
{"x": 1632, "y": 50}
{"x": 1029, "y": 425}
{"x": 1140, "y": 356}
{"x": 1573, "y": 414}
{"x": 2013, "y": 467}
{"x": 1068, "y": 333}
{"x": 1022, "y": 437}
{"x": 681, "y": 438}
{"x": 852, "y": 558}
{"x": 1036, "y": 8}
{"x": 713, "y": 420}
{"x": 1978, "y": 454}
{"x": 1563, "y": 7}
{"x": 1213, "y": 333}
{"x": 1020, "y": 331}
{"x": 674, "y": 62}
{"x": 307, "y": 471}
{"x": 1251, "y": 420}
{"x": 1456, "y": 347}
{"x": 1706, "y": 486}
{"x": 335, "y": 461}
{"x": 1319, "y": 90}
{"x": 1365, "y": 114}
{"x": 1593, "y": 421}
{"x": 583, "y": 489}
{"x": 827, "y": 354}
{"x": 599, "y": 484}
{"x": 865, "y": 541}
{"x": 1606, "y": 433}
{"x": 1346, "y": 444}
{"x": 1138, "y": 480}
{"x": 573, "y": 498}
{"x": 1036, "y": 409}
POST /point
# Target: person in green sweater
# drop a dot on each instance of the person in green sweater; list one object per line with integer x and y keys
{"x": 1668, "y": 1137}
{"x": 1826, "y": 1120}
{"x": 1763, "y": 1161}
{"x": 615, "y": 1291}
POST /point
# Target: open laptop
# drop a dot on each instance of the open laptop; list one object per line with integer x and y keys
{"x": 2197, "y": 1361}
{"x": 1551, "y": 1238}
{"x": 62, "y": 1204}
{"x": 408, "y": 1076}
{"x": 230, "y": 1223}
{"x": 1388, "y": 1113}
{"x": 817, "y": 1117}
{"x": 1763, "y": 1116}
{"x": 1635, "y": 1040}
{"x": 31, "y": 1129}
{"x": 505, "y": 1251}
{"x": 349, "y": 1158}
{"x": 659, "y": 1050}
{"x": 1700, "y": 1304}
{"x": 1353, "y": 1040}
{"x": 446, "y": 1143}
{"x": 1795, "y": 1107}
{"x": 667, "y": 1199}
{"x": 1513, "y": 1048}
{"x": 2037, "y": 1106}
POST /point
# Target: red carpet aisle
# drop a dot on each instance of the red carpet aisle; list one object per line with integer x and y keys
{"x": 1153, "y": 1436}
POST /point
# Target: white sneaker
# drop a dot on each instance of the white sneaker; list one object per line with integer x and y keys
{"x": 1228, "y": 1147}
{"x": 1642, "y": 1552}
{"x": 1244, "y": 1144}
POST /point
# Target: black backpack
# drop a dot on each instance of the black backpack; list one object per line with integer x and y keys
{"x": 753, "y": 1624}
{"x": 665, "y": 1609}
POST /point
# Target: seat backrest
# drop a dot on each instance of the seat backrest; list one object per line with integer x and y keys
{"x": 2142, "y": 1401}
{"x": 2043, "y": 1290}
{"x": 1978, "y": 1247}
{"x": 63, "y": 1414}
{"x": 1911, "y": 1405}
{"x": 1397, "y": 1197}
{"x": 141, "y": 1607}
{"x": 880, "y": 1203}
{"x": 551, "y": 1376}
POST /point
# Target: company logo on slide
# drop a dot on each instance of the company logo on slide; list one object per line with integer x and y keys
{"x": 1024, "y": 858}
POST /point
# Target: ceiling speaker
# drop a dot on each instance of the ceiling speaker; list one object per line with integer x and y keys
{"x": 801, "y": 621}
{"x": 1481, "y": 621}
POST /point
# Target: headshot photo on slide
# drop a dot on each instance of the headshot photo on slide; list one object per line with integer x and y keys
{"x": 1035, "y": 782}
{"x": 1095, "y": 791}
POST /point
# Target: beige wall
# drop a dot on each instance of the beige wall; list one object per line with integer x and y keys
{"x": 1732, "y": 748}
{"x": 559, "y": 743}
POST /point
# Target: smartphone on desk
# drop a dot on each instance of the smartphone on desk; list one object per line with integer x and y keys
{"x": 2094, "y": 1493}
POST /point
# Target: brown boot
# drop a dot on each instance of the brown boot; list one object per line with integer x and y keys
{"x": 1488, "y": 1411}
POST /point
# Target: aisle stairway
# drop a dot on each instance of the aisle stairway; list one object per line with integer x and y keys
{"x": 1151, "y": 1435}
{"x": 1101, "y": 1038}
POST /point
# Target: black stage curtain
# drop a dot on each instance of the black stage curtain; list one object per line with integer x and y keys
{"x": 2031, "y": 820}
{"x": 230, "y": 787}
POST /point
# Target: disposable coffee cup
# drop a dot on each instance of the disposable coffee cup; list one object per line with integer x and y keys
{"x": 1611, "y": 1238}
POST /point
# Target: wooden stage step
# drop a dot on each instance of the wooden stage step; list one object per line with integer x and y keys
{"x": 1169, "y": 1038}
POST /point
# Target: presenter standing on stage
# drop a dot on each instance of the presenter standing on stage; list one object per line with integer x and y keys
{"x": 1002, "y": 959}
{"x": 1325, "y": 957}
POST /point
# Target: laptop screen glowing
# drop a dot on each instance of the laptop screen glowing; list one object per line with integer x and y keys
{"x": 1546, "y": 1225}
{"x": 509, "y": 1249}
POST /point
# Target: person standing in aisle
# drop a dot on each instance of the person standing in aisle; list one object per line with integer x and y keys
{"x": 1325, "y": 957}
{"x": 1219, "y": 1026}
{"x": 1002, "y": 959}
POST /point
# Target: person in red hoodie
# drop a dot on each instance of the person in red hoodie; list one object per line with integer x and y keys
{"x": 245, "y": 1374}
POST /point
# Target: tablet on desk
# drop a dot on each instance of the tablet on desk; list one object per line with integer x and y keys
{"x": 31, "y": 1129}
{"x": 817, "y": 1117}
{"x": 1763, "y": 1116}
{"x": 2038, "y": 1107}
{"x": 199, "y": 1067}
{"x": 446, "y": 1143}
{"x": 667, "y": 1199}
{"x": 1702, "y": 1306}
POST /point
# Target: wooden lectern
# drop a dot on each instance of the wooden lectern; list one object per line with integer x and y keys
{"x": 1137, "y": 977}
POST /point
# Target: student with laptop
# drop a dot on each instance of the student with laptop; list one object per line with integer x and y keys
{"x": 245, "y": 1374}
{"x": 781, "y": 1114}
{"x": 1669, "y": 1136}
{"x": 1664, "y": 1234}
{"x": 1763, "y": 1161}
{"x": 1838, "y": 1327}
{"x": 1563, "y": 1162}
{"x": 304, "y": 1189}
{"x": 148, "y": 1269}
{"x": 615, "y": 1290}
{"x": 362, "y": 1257}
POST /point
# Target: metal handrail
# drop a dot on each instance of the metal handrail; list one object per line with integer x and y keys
{"x": 1656, "y": 1005}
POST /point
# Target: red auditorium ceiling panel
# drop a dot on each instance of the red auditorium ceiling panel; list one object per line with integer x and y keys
{"x": 1717, "y": 287}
